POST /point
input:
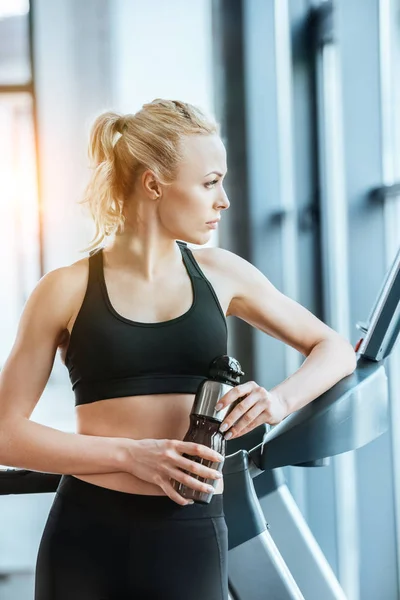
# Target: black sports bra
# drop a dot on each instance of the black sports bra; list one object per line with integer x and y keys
{"x": 110, "y": 356}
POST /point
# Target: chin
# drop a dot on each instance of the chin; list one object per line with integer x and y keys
{"x": 202, "y": 241}
{"x": 199, "y": 240}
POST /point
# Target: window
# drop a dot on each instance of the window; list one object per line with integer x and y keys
{"x": 19, "y": 215}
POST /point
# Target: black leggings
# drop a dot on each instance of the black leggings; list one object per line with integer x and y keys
{"x": 102, "y": 544}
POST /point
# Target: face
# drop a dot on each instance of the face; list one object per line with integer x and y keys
{"x": 197, "y": 195}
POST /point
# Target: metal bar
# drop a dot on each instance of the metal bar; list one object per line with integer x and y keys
{"x": 385, "y": 192}
{"x": 257, "y": 571}
{"x": 299, "y": 548}
{"x": 289, "y": 231}
{"x": 383, "y": 325}
{"x": 336, "y": 292}
{"x": 323, "y": 25}
{"x": 389, "y": 50}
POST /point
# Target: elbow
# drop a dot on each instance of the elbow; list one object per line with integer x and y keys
{"x": 344, "y": 353}
{"x": 349, "y": 356}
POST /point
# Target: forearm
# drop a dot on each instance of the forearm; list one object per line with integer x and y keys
{"x": 29, "y": 445}
{"x": 328, "y": 362}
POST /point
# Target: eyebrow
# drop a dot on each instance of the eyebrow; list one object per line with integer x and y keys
{"x": 216, "y": 172}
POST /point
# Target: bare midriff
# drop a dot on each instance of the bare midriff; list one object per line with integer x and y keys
{"x": 156, "y": 416}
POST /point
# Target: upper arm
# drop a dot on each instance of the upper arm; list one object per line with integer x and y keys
{"x": 27, "y": 369}
{"x": 258, "y": 302}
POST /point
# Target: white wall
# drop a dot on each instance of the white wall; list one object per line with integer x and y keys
{"x": 161, "y": 49}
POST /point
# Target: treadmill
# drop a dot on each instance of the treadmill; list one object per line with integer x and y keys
{"x": 348, "y": 416}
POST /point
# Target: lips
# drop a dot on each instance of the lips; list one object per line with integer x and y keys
{"x": 215, "y": 221}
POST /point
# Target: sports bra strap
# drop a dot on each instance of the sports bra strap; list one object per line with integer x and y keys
{"x": 94, "y": 265}
{"x": 192, "y": 265}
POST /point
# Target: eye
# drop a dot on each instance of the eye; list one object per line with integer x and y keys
{"x": 211, "y": 182}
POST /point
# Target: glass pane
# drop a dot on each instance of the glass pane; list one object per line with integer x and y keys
{"x": 14, "y": 42}
{"x": 19, "y": 239}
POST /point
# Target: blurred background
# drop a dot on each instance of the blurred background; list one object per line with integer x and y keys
{"x": 308, "y": 96}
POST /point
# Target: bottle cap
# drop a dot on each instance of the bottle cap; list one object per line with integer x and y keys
{"x": 226, "y": 369}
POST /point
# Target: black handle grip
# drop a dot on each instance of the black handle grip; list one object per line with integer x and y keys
{"x": 23, "y": 481}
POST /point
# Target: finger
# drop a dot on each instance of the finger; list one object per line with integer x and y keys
{"x": 197, "y": 468}
{"x": 195, "y": 449}
{"x": 188, "y": 481}
{"x": 240, "y": 410}
{"x": 166, "y": 486}
{"x": 248, "y": 422}
{"x": 252, "y": 426}
{"x": 237, "y": 392}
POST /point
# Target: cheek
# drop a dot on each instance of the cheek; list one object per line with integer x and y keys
{"x": 180, "y": 208}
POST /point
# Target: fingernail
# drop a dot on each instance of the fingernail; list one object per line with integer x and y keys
{"x": 228, "y": 435}
{"x": 223, "y": 427}
{"x": 218, "y": 406}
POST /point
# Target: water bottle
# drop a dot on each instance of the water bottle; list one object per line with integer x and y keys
{"x": 205, "y": 420}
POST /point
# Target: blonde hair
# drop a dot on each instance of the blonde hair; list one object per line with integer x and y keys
{"x": 121, "y": 147}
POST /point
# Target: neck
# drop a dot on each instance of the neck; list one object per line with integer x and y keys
{"x": 148, "y": 257}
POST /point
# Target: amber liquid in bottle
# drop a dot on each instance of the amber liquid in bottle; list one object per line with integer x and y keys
{"x": 202, "y": 430}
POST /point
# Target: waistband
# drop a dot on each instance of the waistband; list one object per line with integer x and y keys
{"x": 102, "y": 499}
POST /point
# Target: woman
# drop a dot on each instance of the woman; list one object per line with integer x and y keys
{"x": 138, "y": 323}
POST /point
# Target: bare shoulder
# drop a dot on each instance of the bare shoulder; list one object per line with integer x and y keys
{"x": 211, "y": 255}
{"x": 69, "y": 279}
{"x": 77, "y": 271}
{"x": 59, "y": 290}
{"x": 239, "y": 271}
{"x": 221, "y": 260}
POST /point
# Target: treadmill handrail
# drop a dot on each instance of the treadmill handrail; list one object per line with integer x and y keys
{"x": 347, "y": 416}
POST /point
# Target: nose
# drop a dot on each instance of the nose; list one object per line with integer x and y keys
{"x": 224, "y": 201}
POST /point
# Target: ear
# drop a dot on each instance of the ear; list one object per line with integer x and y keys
{"x": 151, "y": 186}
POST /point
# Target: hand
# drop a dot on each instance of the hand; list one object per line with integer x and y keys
{"x": 256, "y": 407}
{"x": 156, "y": 461}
